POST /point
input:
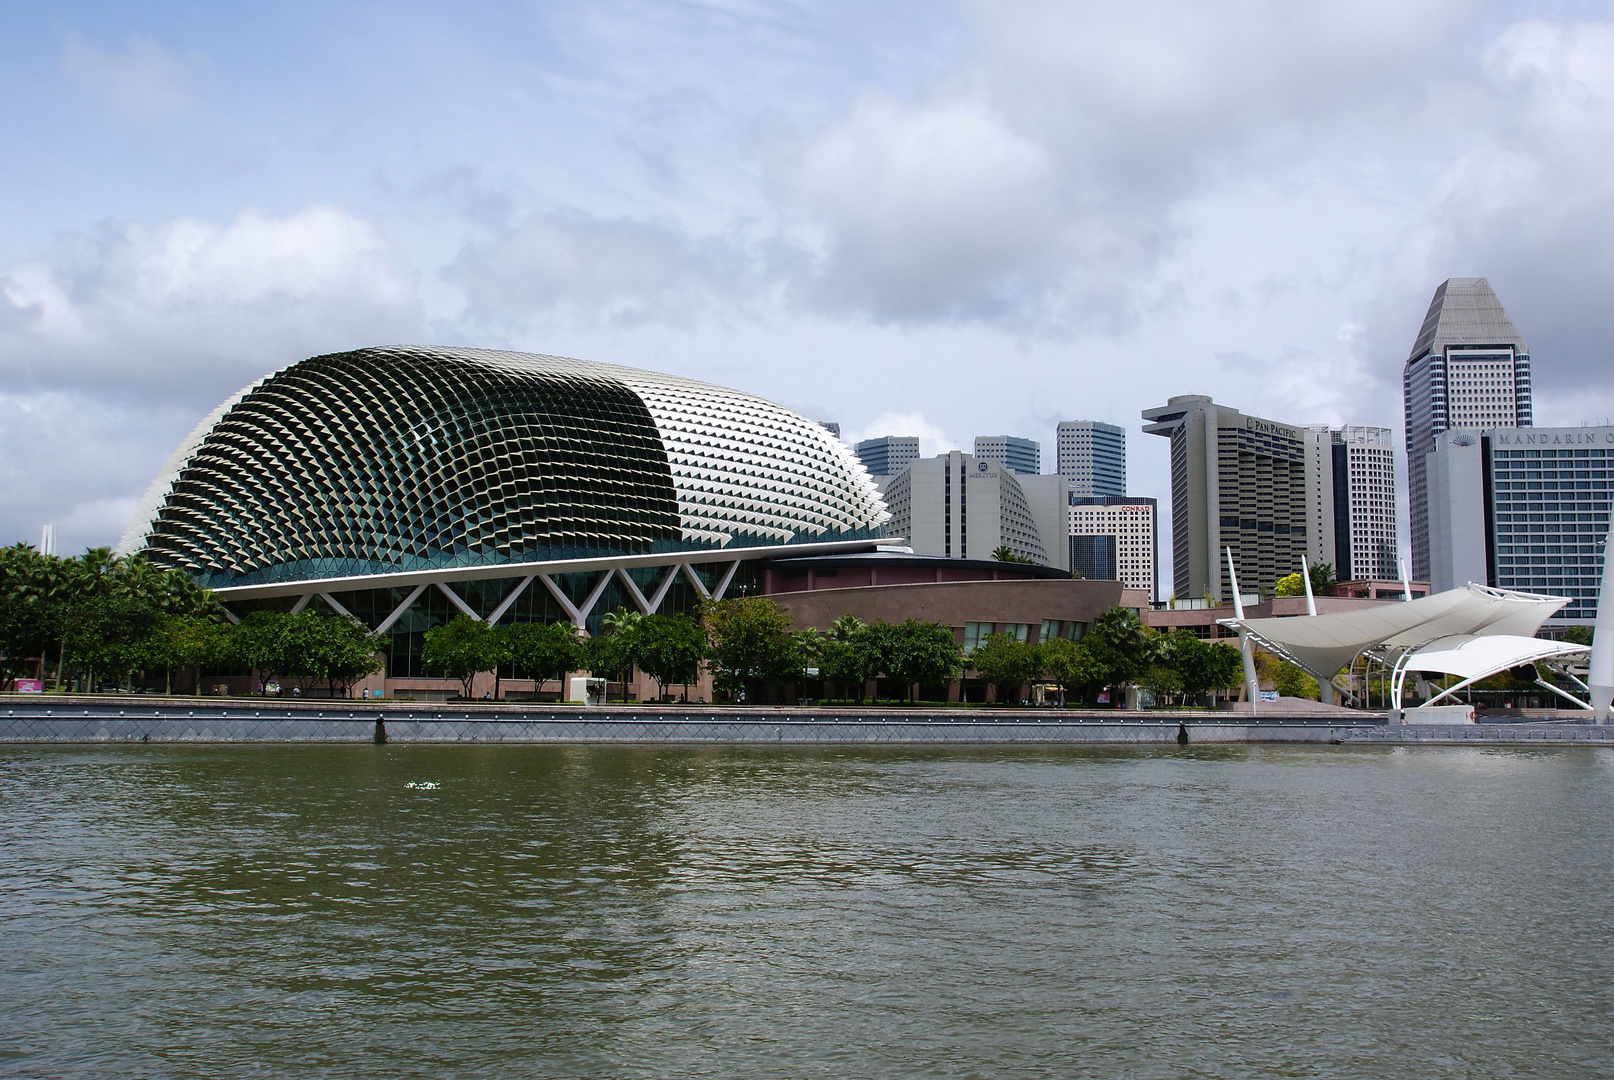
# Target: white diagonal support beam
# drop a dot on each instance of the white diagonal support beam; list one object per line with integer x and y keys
{"x": 695, "y": 580}
{"x": 338, "y": 608}
{"x": 397, "y": 612}
{"x": 579, "y": 614}
{"x": 504, "y": 605}
{"x": 302, "y": 602}
{"x": 633, "y": 590}
{"x": 454, "y": 598}
{"x": 661, "y": 590}
{"x": 593, "y": 598}
{"x": 728, "y": 576}
{"x": 562, "y": 599}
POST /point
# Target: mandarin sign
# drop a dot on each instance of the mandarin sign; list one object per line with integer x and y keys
{"x": 1527, "y": 437}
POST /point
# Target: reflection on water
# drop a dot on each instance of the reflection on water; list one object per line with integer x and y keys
{"x": 622, "y": 911}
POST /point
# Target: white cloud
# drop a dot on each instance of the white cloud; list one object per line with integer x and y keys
{"x": 78, "y": 463}
{"x": 192, "y": 308}
{"x": 932, "y": 439}
{"x": 142, "y": 83}
{"x": 619, "y": 272}
{"x": 938, "y": 210}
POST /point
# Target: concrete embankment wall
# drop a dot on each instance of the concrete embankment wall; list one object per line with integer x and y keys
{"x": 66, "y": 720}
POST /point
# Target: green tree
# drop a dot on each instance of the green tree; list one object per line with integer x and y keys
{"x": 1121, "y": 645}
{"x": 546, "y": 651}
{"x": 260, "y": 645}
{"x": 114, "y": 635}
{"x": 671, "y": 648}
{"x": 1162, "y": 681}
{"x": 1004, "y": 553}
{"x": 1222, "y": 669}
{"x": 806, "y": 650}
{"x": 1578, "y": 635}
{"x": 1322, "y": 577}
{"x": 334, "y": 649}
{"x": 30, "y": 611}
{"x": 850, "y": 656}
{"x": 1008, "y": 664}
{"x": 748, "y": 642}
{"x": 460, "y": 648}
{"x": 354, "y": 653}
{"x": 201, "y": 645}
{"x": 1290, "y": 681}
{"x": 1201, "y": 665}
{"x": 1070, "y": 665}
{"x": 917, "y": 653}
{"x": 620, "y": 628}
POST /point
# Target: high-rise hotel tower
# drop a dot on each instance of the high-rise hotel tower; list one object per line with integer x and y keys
{"x": 1470, "y": 369}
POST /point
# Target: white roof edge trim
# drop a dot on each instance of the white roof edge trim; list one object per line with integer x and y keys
{"x": 569, "y": 566}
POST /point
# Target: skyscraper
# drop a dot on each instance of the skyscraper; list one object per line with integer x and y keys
{"x": 1469, "y": 368}
{"x": 1236, "y": 481}
{"x": 1092, "y": 456}
{"x": 1115, "y": 537}
{"x": 1351, "y": 518}
{"x": 889, "y": 454}
{"x": 1525, "y": 510}
{"x": 963, "y": 507}
{"x": 1022, "y": 456}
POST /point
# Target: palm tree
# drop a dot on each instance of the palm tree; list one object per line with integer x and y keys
{"x": 808, "y": 643}
{"x": 846, "y": 628}
{"x": 622, "y": 623}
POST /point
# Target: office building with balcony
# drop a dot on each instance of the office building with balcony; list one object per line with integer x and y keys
{"x": 1237, "y": 482}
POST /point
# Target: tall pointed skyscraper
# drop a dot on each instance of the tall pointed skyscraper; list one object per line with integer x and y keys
{"x": 1469, "y": 368}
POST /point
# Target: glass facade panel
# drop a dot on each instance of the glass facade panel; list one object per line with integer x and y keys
{"x": 1550, "y": 511}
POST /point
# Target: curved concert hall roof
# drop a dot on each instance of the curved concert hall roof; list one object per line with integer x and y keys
{"x": 410, "y": 458}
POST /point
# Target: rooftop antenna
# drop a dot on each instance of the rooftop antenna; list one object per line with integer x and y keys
{"x": 1252, "y": 688}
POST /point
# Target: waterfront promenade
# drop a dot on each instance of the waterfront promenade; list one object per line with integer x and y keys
{"x": 68, "y": 719}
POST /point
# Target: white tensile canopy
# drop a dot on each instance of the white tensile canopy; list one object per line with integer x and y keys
{"x": 1473, "y": 657}
{"x": 1323, "y": 644}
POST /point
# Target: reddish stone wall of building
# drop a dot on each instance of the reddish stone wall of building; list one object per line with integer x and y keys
{"x": 956, "y": 603}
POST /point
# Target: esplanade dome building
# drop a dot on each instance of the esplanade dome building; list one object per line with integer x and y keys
{"x": 372, "y": 478}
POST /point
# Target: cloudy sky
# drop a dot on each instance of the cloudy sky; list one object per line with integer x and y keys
{"x": 913, "y": 218}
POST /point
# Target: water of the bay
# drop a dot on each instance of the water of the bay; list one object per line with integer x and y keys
{"x": 745, "y": 912}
